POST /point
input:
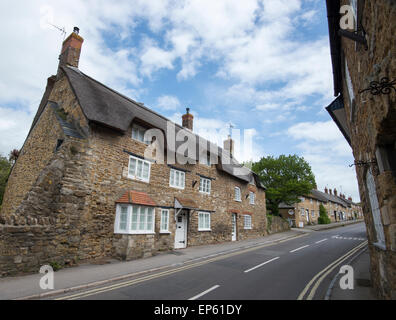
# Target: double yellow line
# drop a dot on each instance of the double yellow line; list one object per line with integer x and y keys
{"x": 317, "y": 279}
{"x": 165, "y": 273}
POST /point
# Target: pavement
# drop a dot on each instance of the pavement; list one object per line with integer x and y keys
{"x": 90, "y": 275}
{"x": 320, "y": 227}
{"x": 362, "y": 289}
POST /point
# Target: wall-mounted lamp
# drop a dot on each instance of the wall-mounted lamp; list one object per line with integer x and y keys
{"x": 194, "y": 183}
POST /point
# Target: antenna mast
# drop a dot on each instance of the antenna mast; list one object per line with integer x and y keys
{"x": 62, "y": 30}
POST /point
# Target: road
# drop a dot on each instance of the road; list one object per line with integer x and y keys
{"x": 301, "y": 268}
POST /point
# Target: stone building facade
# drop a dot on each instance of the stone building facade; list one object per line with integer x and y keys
{"x": 83, "y": 186}
{"x": 363, "y": 55}
{"x": 306, "y": 212}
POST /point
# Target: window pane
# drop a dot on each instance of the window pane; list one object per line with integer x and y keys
{"x": 146, "y": 170}
{"x": 142, "y": 218}
{"x": 149, "y": 226}
{"x": 123, "y": 218}
{"x": 134, "y": 219}
{"x": 139, "y": 172}
{"x": 132, "y": 166}
{"x": 182, "y": 176}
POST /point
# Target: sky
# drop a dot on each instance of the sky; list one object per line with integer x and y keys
{"x": 261, "y": 65}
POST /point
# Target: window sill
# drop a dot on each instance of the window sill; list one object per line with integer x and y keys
{"x": 176, "y": 187}
{"x": 203, "y": 230}
{"x": 247, "y": 228}
{"x": 165, "y": 232}
{"x": 206, "y": 193}
{"x": 237, "y": 200}
{"x": 134, "y": 233}
{"x": 380, "y": 246}
{"x": 137, "y": 179}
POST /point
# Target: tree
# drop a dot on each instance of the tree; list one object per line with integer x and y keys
{"x": 286, "y": 178}
{"x": 5, "y": 167}
{"x": 323, "y": 217}
{"x": 13, "y": 156}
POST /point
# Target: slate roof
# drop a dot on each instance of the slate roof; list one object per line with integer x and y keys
{"x": 105, "y": 106}
{"x": 333, "y": 198}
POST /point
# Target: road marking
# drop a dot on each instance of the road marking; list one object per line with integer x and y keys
{"x": 205, "y": 292}
{"x": 168, "y": 272}
{"x": 335, "y": 263}
{"x": 299, "y": 248}
{"x": 260, "y": 265}
{"x": 321, "y": 240}
{"x": 317, "y": 284}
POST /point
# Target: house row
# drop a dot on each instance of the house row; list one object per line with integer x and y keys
{"x": 87, "y": 175}
{"x": 306, "y": 212}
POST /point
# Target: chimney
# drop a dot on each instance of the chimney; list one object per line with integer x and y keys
{"x": 229, "y": 145}
{"x": 335, "y": 191}
{"x": 350, "y": 198}
{"x": 326, "y": 190}
{"x": 71, "y": 49}
{"x": 330, "y": 191}
{"x": 187, "y": 120}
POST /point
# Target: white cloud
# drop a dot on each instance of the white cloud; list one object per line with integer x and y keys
{"x": 167, "y": 102}
{"x": 325, "y": 148}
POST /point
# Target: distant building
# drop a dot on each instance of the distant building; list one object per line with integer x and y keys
{"x": 306, "y": 211}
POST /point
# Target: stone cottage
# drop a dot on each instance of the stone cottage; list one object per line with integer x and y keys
{"x": 85, "y": 187}
{"x": 363, "y": 54}
{"x": 338, "y": 207}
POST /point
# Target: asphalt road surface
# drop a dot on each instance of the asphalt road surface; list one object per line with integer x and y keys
{"x": 301, "y": 268}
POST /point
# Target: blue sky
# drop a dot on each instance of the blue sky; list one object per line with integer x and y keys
{"x": 262, "y": 65}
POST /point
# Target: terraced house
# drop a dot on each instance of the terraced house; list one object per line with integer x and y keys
{"x": 83, "y": 186}
{"x": 338, "y": 207}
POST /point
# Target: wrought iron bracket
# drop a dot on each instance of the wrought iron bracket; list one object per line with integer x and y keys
{"x": 384, "y": 86}
{"x": 358, "y": 36}
{"x": 361, "y": 163}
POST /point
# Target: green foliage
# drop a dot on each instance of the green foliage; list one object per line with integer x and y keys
{"x": 55, "y": 265}
{"x": 286, "y": 178}
{"x": 323, "y": 217}
{"x": 5, "y": 168}
{"x": 269, "y": 222}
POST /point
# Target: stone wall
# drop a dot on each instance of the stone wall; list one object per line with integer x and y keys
{"x": 45, "y": 227}
{"x": 277, "y": 224}
{"x": 38, "y": 149}
{"x": 372, "y": 124}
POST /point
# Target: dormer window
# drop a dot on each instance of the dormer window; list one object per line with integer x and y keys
{"x": 205, "y": 159}
{"x": 138, "y": 133}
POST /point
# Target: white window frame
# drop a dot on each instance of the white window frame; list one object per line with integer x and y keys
{"x": 375, "y": 210}
{"x": 140, "y": 133}
{"x": 205, "y": 185}
{"x": 173, "y": 173}
{"x": 237, "y": 195}
{"x": 313, "y": 213}
{"x": 201, "y": 223}
{"x": 164, "y": 221}
{"x": 302, "y": 212}
{"x": 247, "y": 222}
{"x": 134, "y": 175}
{"x": 130, "y": 209}
{"x": 252, "y": 197}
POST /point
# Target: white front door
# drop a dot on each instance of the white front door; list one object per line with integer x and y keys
{"x": 181, "y": 231}
{"x": 234, "y": 231}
